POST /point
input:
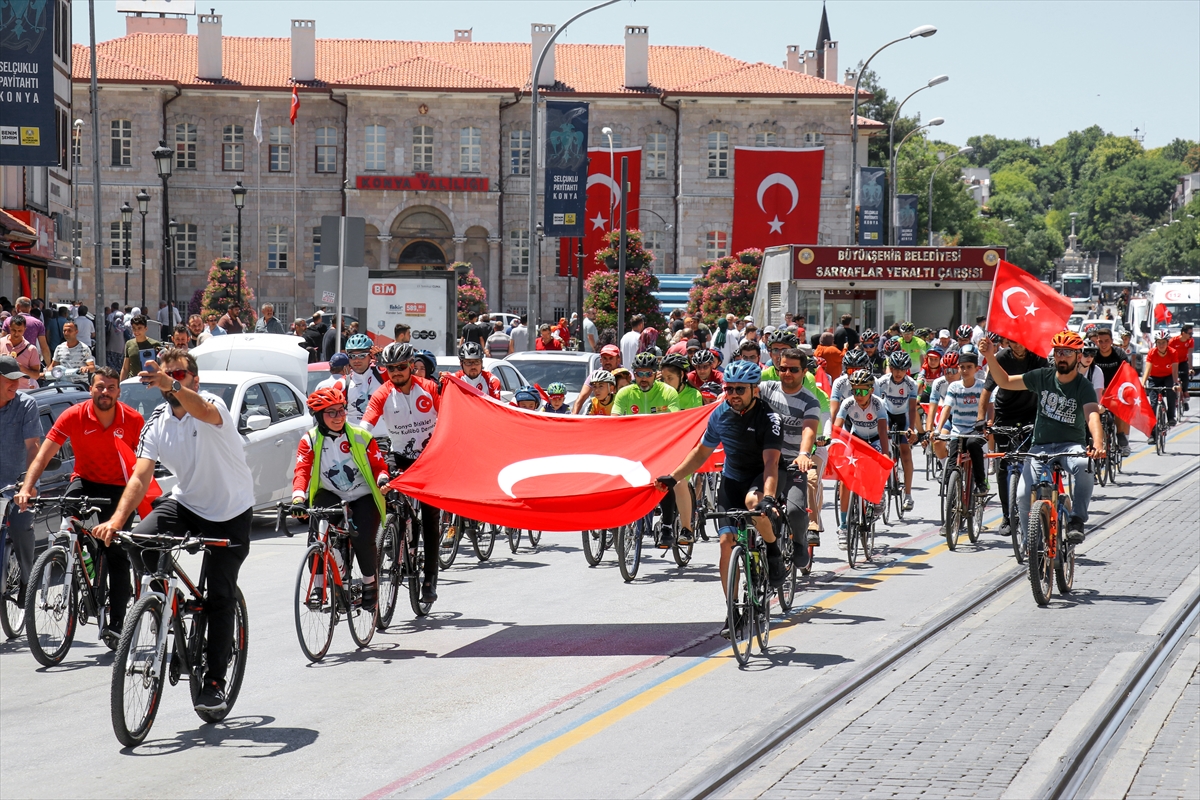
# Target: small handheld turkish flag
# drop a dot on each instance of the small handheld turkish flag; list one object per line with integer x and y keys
{"x": 859, "y": 466}
{"x": 822, "y": 379}
{"x": 1026, "y": 310}
{"x": 1127, "y": 400}
{"x": 295, "y": 105}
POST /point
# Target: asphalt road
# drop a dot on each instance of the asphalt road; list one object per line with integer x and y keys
{"x": 535, "y": 675}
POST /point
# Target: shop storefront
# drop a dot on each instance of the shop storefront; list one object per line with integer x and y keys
{"x": 27, "y": 261}
{"x": 934, "y": 287}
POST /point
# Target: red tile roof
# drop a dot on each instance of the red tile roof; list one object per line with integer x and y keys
{"x": 587, "y": 69}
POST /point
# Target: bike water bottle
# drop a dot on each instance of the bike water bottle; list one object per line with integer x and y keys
{"x": 88, "y": 566}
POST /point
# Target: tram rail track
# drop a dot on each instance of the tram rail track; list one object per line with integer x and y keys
{"x": 1076, "y": 769}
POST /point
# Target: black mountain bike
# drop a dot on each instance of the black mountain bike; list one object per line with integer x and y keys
{"x": 401, "y": 558}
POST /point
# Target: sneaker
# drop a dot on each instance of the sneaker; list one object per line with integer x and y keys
{"x": 725, "y": 629}
{"x": 843, "y": 534}
{"x": 316, "y": 597}
{"x": 666, "y": 538}
{"x": 1125, "y": 451}
{"x": 428, "y": 593}
{"x": 775, "y": 569}
{"x": 1075, "y": 533}
{"x": 1005, "y": 529}
{"x": 211, "y": 697}
{"x": 814, "y": 537}
{"x": 370, "y": 596}
{"x": 686, "y": 537}
{"x": 908, "y": 502}
{"x": 110, "y": 638}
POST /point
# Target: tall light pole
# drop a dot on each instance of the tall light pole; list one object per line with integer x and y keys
{"x": 892, "y": 151}
{"x": 893, "y": 193}
{"x": 77, "y": 137}
{"x": 126, "y": 230}
{"x": 97, "y": 237}
{"x": 530, "y": 295}
{"x": 924, "y": 32}
{"x": 164, "y": 160}
{"x": 239, "y": 201}
{"x": 172, "y": 229}
{"x": 143, "y": 201}
{"x": 962, "y": 151}
{"x": 622, "y": 253}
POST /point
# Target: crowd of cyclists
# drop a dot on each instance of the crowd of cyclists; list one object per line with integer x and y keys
{"x": 778, "y": 400}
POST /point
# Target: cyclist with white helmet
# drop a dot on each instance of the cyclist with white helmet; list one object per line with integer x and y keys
{"x": 1161, "y": 373}
{"x": 853, "y": 361}
{"x": 960, "y": 408}
{"x": 867, "y": 418}
{"x": 899, "y": 394}
{"x": 604, "y": 391}
{"x": 705, "y": 376}
{"x": 360, "y": 382}
{"x": 470, "y": 358}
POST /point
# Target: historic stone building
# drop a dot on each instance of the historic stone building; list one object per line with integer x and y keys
{"x": 373, "y": 111}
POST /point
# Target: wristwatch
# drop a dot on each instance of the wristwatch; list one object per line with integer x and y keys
{"x": 175, "y": 387}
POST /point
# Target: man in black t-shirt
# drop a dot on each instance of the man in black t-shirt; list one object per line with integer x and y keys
{"x": 845, "y": 337}
{"x": 473, "y": 331}
{"x": 1108, "y": 361}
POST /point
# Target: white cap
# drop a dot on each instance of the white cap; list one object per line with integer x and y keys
{"x": 747, "y": 318}
{"x": 768, "y": 329}
{"x": 943, "y": 334}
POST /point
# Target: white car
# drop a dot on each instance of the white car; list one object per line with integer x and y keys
{"x": 568, "y": 367}
{"x": 271, "y": 417}
{"x": 1075, "y": 322}
{"x": 509, "y": 376}
{"x": 272, "y": 353}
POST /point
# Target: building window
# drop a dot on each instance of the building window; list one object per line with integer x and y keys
{"x": 277, "y": 247}
{"x": 376, "y": 152}
{"x": 326, "y": 149}
{"x": 316, "y": 241}
{"x": 718, "y": 154}
{"x": 122, "y": 143}
{"x": 652, "y": 241}
{"x": 185, "y": 246}
{"x": 422, "y": 148}
{"x": 470, "y": 150}
{"x": 233, "y": 139}
{"x": 814, "y": 139}
{"x": 185, "y": 146}
{"x": 64, "y": 141}
{"x": 280, "y": 148}
{"x": 283, "y": 311}
{"x": 518, "y": 152}
{"x": 120, "y": 240}
{"x": 716, "y": 245}
{"x": 229, "y": 242}
{"x": 764, "y": 139}
{"x": 77, "y": 145}
{"x": 559, "y": 312}
{"x": 518, "y": 252}
{"x": 656, "y": 155}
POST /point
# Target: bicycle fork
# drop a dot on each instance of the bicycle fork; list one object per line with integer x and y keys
{"x": 164, "y": 646}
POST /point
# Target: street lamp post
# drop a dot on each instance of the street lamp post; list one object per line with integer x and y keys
{"x": 143, "y": 201}
{"x": 622, "y": 253}
{"x": 893, "y": 193}
{"x": 892, "y": 150}
{"x": 530, "y": 296}
{"x": 239, "y": 201}
{"x": 612, "y": 170}
{"x": 172, "y": 228}
{"x": 126, "y": 230}
{"x": 164, "y": 160}
{"x": 924, "y": 32}
{"x": 962, "y": 151}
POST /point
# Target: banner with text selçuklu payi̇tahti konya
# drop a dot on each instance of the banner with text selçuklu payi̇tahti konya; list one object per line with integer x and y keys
{"x": 28, "y": 137}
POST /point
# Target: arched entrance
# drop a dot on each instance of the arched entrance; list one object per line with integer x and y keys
{"x": 421, "y": 237}
{"x": 421, "y": 253}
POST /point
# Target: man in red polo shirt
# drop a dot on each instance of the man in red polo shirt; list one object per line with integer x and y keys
{"x": 1182, "y": 346}
{"x": 103, "y": 432}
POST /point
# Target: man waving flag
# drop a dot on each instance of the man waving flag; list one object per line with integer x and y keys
{"x": 1026, "y": 310}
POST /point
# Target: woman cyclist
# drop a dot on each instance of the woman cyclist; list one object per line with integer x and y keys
{"x": 673, "y": 371}
{"x": 1161, "y": 373}
{"x": 1088, "y": 369}
{"x": 867, "y": 418}
{"x": 336, "y": 463}
{"x": 604, "y": 391}
{"x": 424, "y": 365}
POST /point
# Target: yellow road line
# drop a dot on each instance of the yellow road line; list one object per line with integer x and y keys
{"x": 1150, "y": 449}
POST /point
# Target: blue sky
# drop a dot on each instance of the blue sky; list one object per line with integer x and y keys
{"x": 1017, "y": 69}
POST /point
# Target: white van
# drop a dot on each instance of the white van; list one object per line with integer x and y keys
{"x": 271, "y": 353}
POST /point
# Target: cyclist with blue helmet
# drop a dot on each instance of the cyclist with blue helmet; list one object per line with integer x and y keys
{"x": 527, "y": 398}
{"x": 360, "y": 381}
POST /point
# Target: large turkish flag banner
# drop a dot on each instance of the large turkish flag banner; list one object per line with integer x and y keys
{"x": 858, "y": 465}
{"x": 1127, "y": 400}
{"x": 776, "y": 196}
{"x": 1026, "y": 310}
{"x": 603, "y": 204}
{"x": 495, "y": 463}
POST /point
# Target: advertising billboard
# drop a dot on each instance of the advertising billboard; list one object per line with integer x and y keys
{"x": 28, "y": 134}
{"x": 906, "y": 220}
{"x": 424, "y": 300}
{"x": 872, "y": 189}
{"x": 565, "y": 195}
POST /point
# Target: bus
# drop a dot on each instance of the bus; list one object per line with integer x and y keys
{"x": 1077, "y": 287}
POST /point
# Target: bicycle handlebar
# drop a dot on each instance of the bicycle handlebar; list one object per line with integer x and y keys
{"x": 162, "y": 541}
{"x": 92, "y": 503}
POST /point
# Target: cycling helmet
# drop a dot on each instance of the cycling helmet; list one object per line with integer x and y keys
{"x": 396, "y": 353}
{"x": 950, "y": 360}
{"x": 717, "y": 355}
{"x": 995, "y": 338}
{"x": 968, "y": 354}
{"x": 646, "y": 359}
{"x": 1091, "y": 349}
{"x": 855, "y": 359}
{"x": 923, "y": 332}
{"x": 964, "y": 332}
{"x": 869, "y": 336}
{"x": 527, "y": 393}
{"x": 601, "y": 376}
{"x": 1067, "y": 340}
{"x": 359, "y": 341}
{"x": 1159, "y": 335}
{"x": 677, "y": 360}
{"x": 743, "y": 372}
{"x": 862, "y": 377}
{"x": 892, "y": 345}
{"x": 905, "y": 327}
{"x": 900, "y": 360}
{"x": 470, "y": 351}
{"x": 783, "y": 337}
{"x": 559, "y": 388}
{"x": 703, "y": 357}
{"x": 325, "y": 398}
{"x": 430, "y": 361}
{"x": 1121, "y": 332}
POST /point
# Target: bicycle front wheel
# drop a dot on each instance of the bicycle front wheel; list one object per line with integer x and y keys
{"x": 535, "y": 538}
{"x": 415, "y": 567}
{"x": 787, "y": 592}
{"x": 484, "y": 541}
{"x": 514, "y": 538}
{"x": 389, "y": 570}
{"x": 762, "y": 600}
{"x": 955, "y": 513}
{"x": 315, "y": 604}
{"x": 137, "y": 678}
{"x": 1041, "y": 566}
{"x": 235, "y": 668}
{"x": 1014, "y": 515}
{"x": 853, "y": 523}
{"x": 451, "y": 529}
{"x": 593, "y": 546}
{"x": 628, "y": 547}
{"x": 12, "y": 616}
{"x": 51, "y": 606}
{"x": 889, "y": 491}
{"x": 739, "y": 606}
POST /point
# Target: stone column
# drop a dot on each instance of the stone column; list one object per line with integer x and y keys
{"x": 495, "y": 268}
{"x": 385, "y": 258}
{"x": 459, "y": 241}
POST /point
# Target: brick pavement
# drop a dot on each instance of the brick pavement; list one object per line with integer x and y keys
{"x": 1170, "y": 767}
{"x": 965, "y": 724}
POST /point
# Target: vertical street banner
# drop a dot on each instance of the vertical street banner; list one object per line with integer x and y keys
{"x": 28, "y": 131}
{"x": 603, "y": 202}
{"x": 776, "y": 196}
{"x": 565, "y": 193}
{"x": 906, "y": 220}
{"x": 872, "y": 187}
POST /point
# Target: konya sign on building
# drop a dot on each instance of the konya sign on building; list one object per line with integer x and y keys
{"x": 421, "y": 182}
{"x": 565, "y": 195}
{"x": 28, "y": 137}
{"x": 925, "y": 264}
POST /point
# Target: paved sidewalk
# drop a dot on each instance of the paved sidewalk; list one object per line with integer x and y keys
{"x": 1170, "y": 768}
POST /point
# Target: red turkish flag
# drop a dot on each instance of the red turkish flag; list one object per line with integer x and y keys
{"x": 1026, "y": 310}
{"x": 128, "y": 459}
{"x": 603, "y": 204}
{"x": 295, "y": 106}
{"x": 567, "y": 472}
{"x": 858, "y": 465}
{"x": 822, "y": 379}
{"x": 776, "y": 196}
{"x": 1127, "y": 400}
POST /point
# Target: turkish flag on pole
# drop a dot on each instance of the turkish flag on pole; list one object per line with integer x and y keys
{"x": 295, "y": 105}
{"x": 861, "y": 467}
{"x": 603, "y": 199}
{"x": 1127, "y": 400}
{"x": 776, "y": 196}
{"x": 1026, "y": 310}
{"x": 568, "y": 473}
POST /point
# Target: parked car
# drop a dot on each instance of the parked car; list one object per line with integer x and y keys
{"x": 1091, "y": 323}
{"x": 505, "y": 317}
{"x": 53, "y": 401}
{"x": 271, "y": 417}
{"x": 272, "y": 353}
{"x": 316, "y": 373}
{"x": 565, "y": 366}
{"x": 510, "y": 376}
{"x": 1074, "y": 322}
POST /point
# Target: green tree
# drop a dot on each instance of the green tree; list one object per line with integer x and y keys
{"x": 955, "y": 212}
{"x": 221, "y": 290}
{"x": 1170, "y": 250}
{"x": 640, "y": 284}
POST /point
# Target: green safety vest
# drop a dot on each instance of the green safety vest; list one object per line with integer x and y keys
{"x": 359, "y": 439}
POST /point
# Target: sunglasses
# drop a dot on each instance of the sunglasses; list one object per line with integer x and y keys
{"x": 864, "y": 391}
{"x": 790, "y": 370}
{"x": 335, "y": 413}
{"x": 1063, "y": 352}
{"x": 359, "y": 356}
{"x": 644, "y": 373}
{"x": 179, "y": 374}
{"x": 951, "y": 369}
{"x": 398, "y": 367}
{"x": 870, "y": 345}
{"x": 738, "y": 390}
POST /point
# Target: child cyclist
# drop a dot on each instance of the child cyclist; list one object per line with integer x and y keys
{"x": 527, "y": 398}
{"x": 557, "y": 402}
{"x": 604, "y": 391}
{"x": 867, "y": 418}
{"x": 960, "y": 407}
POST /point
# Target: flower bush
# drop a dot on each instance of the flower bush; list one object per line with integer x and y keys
{"x": 471, "y": 294}
{"x": 221, "y": 290}
{"x": 727, "y": 286}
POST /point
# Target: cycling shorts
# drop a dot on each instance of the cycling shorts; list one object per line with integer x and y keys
{"x": 897, "y": 422}
{"x": 731, "y": 496}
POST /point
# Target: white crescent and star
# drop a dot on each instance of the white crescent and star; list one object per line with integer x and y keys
{"x": 1030, "y": 310}
{"x": 1137, "y": 401}
{"x": 778, "y": 179}
{"x": 633, "y": 472}
{"x": 614, "y": 189}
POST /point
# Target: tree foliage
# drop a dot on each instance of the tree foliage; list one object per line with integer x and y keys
{"x": 640, "y": 285}
{"x": 1171, "y": 249}
{"x": 726, "y": 286}
{"x": 221, "y": 290}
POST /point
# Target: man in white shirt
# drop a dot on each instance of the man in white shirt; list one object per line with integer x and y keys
{"x": 87, "y": 328}
{"x": 631, "y": 340}
{"x": 978, "y": 332}
{"x": 195, "y": 436}
{"x": 73, "y": 355}
{"x": 589, "y": 331}
{"x": 520, "y": 335}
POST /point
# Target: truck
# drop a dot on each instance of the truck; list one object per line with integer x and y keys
{"x": 1173, "y": 301}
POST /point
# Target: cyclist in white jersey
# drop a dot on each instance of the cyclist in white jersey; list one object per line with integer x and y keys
{"x": 360, "y": 382}
{"x": 854, "y": 360}
{"x": 937, "y": 393}
{"x": 470, "y": 357}
{"x": 960, "y": 407}
{"x": 866, "y": 416}
{"x": 899, "y": 394}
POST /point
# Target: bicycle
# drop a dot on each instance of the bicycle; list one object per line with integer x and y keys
{"x": 1159, "y": 433}
{"x": 12, "y": 587}
{"x": 1113, "y": 460}
{"x": 704, "y": 491}
{"x": 401, "y": 558}
{"x": 893, "y": 492}
{"x": 327, "y": 587}
{"x": 628, "y": 545}
{"x": 964, "y": 507}
{"x": 747, "y": 588}
{"x": 67, "y": 583}
{"x": 1010, "y": 472}
{"x": 165, "y": 635}
{"x": 860, "y": 526}
{"x": 595, "y": 542}
{"x": 482, "y": 535}
{"x": 1051, "y": 556}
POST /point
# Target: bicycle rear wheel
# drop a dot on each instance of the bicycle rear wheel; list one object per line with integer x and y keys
{"x": 12, "y": 616}
{"x": 137, "y": 677}
{"x": 1041, "y": 566}
{"x": 51, "y": 607}
{"x": 787, "y": 592}
{"x": 975, "y": 523}
{"x": 738, "y": 606}
{"x": 1160, "y": 429}
{"x": 898, "y": 482}
{"x": 853, "y": 523}
{"x": 888, "y": 493}
{"x": 361, "y": 621}
{"x": 415, "y": 570}
{"x": 235, "y": 668}
{"x": 451, "y": 530}
{"x": 514, "y": 538}
{"x": 593, "y": 546}
{"x": 628, "y": 547}
{"x": 315, "y": 604}
{"x": 389, "y": 569}
{"x": 955, "y": 514}
{"x": 535, "y": 538}
{"x": 484, "y": 541}
{"x": 1014, "y": 514}
{"x": 762, "y": 599}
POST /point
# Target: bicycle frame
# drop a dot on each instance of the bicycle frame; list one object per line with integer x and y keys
{"x": 328, "y": 542}
{"x": 70, "y": 527}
